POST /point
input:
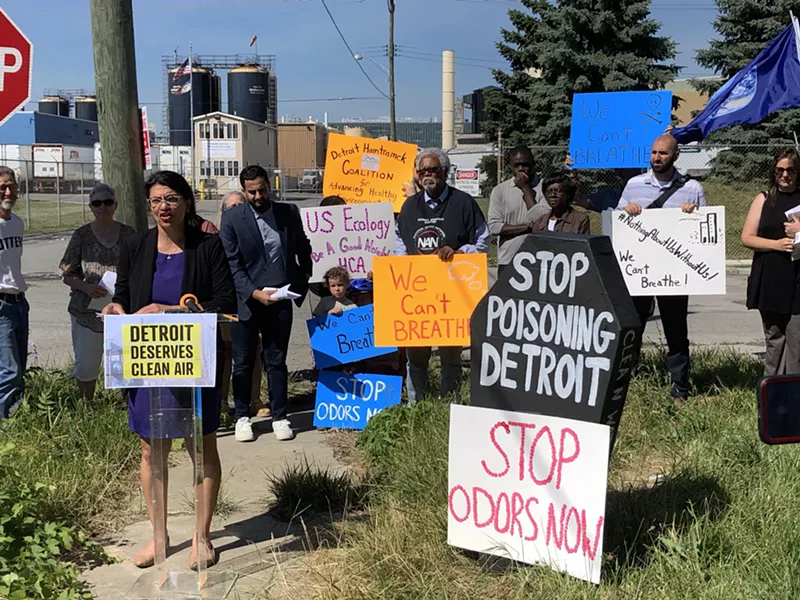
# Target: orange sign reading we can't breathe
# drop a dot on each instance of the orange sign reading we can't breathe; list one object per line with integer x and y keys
{"x": 363, "y": 170}
{"x": 423, "y": 301}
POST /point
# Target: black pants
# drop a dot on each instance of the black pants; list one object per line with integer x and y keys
{"x": 674, "y": 311}
{"x": 274, "y": 323}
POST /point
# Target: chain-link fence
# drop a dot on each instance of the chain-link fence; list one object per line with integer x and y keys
{"x": 53, "y": 196}
{"x": 731, "y": 177}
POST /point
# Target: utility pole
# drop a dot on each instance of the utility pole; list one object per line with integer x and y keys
{"x": 392, "y": 115}
{"x": 118, "y": 106}
{"x": 499, "y": 154}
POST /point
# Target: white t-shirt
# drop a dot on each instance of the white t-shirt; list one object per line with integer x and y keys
{"x": 11, "y": 279}
{"x": 551, "y": 225}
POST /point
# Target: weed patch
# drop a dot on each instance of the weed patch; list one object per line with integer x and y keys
{"x": 697, "y": 506}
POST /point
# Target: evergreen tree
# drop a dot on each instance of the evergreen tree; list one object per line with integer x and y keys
{"x": 745, "y": 27}
{"x": 572, "y": 46}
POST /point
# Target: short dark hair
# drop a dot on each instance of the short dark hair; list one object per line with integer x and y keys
{"x": 570, "y": 189}
{"x": 336, "y": 274}
{"x": 8, "y": 172}
{"x": 253, "y": 172}
{"x": 175, "y": 181}
{"x": 524, "y": 150}
{"x": 332, "y": 201}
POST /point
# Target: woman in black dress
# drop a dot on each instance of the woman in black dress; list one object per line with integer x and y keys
{"x": 772, "y": 287}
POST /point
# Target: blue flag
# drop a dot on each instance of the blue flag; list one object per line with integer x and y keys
{"x": 768, "y": 84}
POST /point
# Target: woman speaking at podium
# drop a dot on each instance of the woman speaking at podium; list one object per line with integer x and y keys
{"x": 156, "y": 269}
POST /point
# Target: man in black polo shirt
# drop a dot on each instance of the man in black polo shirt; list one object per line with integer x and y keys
{"x": 444, "y": 221}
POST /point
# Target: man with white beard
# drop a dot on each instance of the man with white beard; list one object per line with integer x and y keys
{"x": 13, "y": 305}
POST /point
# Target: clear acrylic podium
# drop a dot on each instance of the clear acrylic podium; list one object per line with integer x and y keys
{"x": 173, "y": 356}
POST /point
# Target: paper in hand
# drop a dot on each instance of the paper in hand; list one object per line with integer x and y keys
{"x": 109, "y": 282}
{"x": 283, "y": 293}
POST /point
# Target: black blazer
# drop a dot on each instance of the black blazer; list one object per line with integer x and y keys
{"x": 248, "y": 257}
{"x": 205, "y": 272}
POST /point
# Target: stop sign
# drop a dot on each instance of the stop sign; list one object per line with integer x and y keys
{"x": 16, "y": 68}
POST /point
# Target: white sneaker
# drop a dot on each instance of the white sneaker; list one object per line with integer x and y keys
{"x": 244, "y": 430}
{"x": 283, "y": 430}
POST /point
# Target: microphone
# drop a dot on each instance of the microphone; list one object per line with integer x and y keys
{"x": 189, "y": 302}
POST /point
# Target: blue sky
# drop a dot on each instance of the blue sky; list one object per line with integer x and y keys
{"x": 312, "y": 61}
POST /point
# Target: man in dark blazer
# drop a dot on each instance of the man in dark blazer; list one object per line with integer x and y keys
{"x": 267, "y": 249}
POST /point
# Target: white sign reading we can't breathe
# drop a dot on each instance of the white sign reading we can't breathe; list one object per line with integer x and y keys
{"x": 667, "y": 252}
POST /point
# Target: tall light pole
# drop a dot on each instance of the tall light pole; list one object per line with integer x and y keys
{"x": 392, "y": 115}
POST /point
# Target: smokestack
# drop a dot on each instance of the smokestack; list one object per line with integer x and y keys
{"x": 448, "y": 99}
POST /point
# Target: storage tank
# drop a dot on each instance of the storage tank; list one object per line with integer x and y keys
{"x": 86, "y": 108}
{"x": 180, "y": 113}
{"x": 248, "y": 93}
{"x": 54, "y": 105}
{"x": 272, "y": 100}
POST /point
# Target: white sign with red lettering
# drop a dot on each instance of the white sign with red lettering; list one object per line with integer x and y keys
{"x": 467, "y": 180}
{"x": 528, "y": 487}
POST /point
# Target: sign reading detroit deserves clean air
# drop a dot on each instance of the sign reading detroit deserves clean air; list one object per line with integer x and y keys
{"x": 613, "y": 130}
{"x": 160, "y": 351}
{"x": 362, "y": 170}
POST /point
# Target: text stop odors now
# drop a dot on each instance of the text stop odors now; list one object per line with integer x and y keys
{"x": 528, "y": 487}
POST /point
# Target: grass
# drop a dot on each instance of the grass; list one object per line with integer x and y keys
{"x": 44, "y": 215}
{"x": 721, "y": 522}
{"x": 304, "y": 491}
{"x": 83, "y": 450}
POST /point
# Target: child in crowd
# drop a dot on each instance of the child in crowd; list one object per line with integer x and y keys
{"x": 337, "y": 280}
{"x": 559, "y": 190}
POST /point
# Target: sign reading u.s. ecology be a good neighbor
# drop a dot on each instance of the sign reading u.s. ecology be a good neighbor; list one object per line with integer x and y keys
{"x": 667, "y": 252}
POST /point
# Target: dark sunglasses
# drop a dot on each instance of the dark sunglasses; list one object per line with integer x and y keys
{"x": 99, "y": 203}
{"x": 429, "y": 171}
{"x": 780, "y": 171}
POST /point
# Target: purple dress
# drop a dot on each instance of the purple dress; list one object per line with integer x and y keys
{"x": 175, "y": 403}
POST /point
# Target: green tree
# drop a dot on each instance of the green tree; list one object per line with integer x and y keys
{"x": 745, "y": 27}
{"x": 557, "y": 49}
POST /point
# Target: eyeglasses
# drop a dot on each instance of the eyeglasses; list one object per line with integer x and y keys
{"x": 99, "y": 203}
{"x": 8, "y": 186}
{"x": 429, "y": 171}
{"x": 780, "y": 171}
{"x": 172, "y": 201}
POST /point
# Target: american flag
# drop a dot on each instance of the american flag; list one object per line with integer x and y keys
{"x": 182, "y": 89}
{"x": 184, "y": 70}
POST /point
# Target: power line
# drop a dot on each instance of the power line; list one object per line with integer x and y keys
{"x": 350, "y": 50}
{"x": 433, "y": 60}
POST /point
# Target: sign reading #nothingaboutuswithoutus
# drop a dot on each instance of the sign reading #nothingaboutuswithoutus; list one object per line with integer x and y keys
{"x": 667, "y": 252}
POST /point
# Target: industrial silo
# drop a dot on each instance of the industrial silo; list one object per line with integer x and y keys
{"x": 272, "y": 101}
{"x": 86, "y": 108}
{"x": 54, "y": 105}
{"x": 216, "y": 93}
{"x": 180, "y": 114}
{"x": 248, "y": 93}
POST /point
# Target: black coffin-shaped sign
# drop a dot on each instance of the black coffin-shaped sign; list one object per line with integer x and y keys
{"x": 558, "y": 333}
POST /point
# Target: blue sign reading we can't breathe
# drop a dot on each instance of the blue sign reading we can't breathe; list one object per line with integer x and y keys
{"x": 350, "y": 401}
{"x": 344, "y": 339}
{"x": 615, "y": 130}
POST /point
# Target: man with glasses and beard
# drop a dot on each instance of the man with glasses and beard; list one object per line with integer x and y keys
{"x": 664, "y": 187}
{"x": 13, "y": 305}
{"x": 444, "y": 221}
{"x": 515, "y": 204}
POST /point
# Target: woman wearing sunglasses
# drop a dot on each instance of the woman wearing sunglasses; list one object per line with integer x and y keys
{"x": 774, "y": 283}
{"x": 93, "y": 250}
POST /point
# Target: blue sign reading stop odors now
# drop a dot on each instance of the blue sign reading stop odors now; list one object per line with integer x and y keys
{"x": 350, "y": 401}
